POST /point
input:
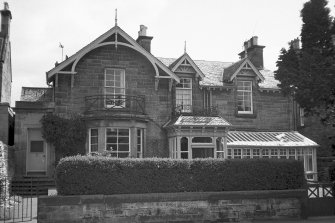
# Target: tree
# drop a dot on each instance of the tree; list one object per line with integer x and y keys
{"x": 288, "y": 70}
{"x": 308, "y": 74}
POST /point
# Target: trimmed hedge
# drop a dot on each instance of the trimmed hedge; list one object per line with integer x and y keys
{"x": 80, "y": 175}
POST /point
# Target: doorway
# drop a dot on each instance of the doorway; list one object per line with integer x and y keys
{"x": 36, "y": 153}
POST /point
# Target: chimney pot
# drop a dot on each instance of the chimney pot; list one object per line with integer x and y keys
{"x": 143, "y": 30}
{"x": 254, "y": 40}
{"x": 143, "y": 39}
{"x": 6, "y": 7}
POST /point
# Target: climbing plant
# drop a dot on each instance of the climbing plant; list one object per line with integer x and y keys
{"x": 67, "y": 134}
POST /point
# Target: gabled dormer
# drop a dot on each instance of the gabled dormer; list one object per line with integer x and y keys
{"x": 186, "y": 91}
{"x": 116, "y": 37}
{"x": 245, "y": 76}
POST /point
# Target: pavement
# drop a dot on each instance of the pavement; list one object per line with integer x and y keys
{"x": 323, "y": 219}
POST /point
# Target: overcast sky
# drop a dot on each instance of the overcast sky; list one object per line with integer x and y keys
{"x": 213, "y": 29}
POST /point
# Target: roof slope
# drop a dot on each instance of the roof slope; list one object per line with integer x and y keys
{"x": 271, "y": 139}
{"x": 213, "y": 71}
{"x": 33, "y": 94}
{"x": 199, "y": 121}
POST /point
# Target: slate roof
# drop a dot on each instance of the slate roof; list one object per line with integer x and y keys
{"x": 200, "y": 121}
{"x": 33, "y": 94}
{"x": 214, "y": 71}
{"x": 271, "y": 139}
{"x": 229, "y": 71}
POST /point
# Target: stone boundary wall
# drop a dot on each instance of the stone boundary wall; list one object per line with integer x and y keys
{"x": 175, "y": 207}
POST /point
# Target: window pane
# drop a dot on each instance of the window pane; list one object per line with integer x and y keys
{"x": 123, "y": 147}
{"x": 111, "y": 131}
{"x": 94, "y": 148}
{"x": 123, "y": 155}
{"x": 184, "y": 155}
{"x": 124, "y": 132}
{"x": 184, "y": 144}
{"x": 94, "y": 132}
{"x": 111, "y": 139}
{"x": 37, "y": 146}
{"x": 202, "y": 140}
{"x": 123, "y": 140}
{"x": 94, "y": 140}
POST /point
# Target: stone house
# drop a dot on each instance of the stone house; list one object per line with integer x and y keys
{"x": 138, "y": 105}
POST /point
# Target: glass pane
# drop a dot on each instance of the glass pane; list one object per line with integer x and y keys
{"x": 124, "y": 132}
{"x": 111, "y": 147}
{"x": 111, "y": 131}
{"x": 37, "y": 146}
{"x": 94, "y": 148}
{"x": 202, "y": 152}
{"x": 184, "y": 155}
{"x": 202, "y": 140}
{"x": 111, "y": 139}
{"x": 123, "y": 140}
{"x": 94, "y": 132}
{"x": 184, "y": 144}
{"x": 124, "y": 147}
{"x": 94, "y": 140}
{"x": 123, "y": 155}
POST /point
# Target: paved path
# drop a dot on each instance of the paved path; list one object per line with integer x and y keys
{"x": 326, "y": 219}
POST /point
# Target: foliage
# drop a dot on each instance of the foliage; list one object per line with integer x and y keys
{"x": 309, "y": 74}
{"x": 104, "y": 175}
{"x": 68, "y": 135}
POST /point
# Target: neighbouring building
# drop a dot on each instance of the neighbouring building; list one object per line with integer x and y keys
{"x": 139, "y": 105}
{"x": 6, "y": 113}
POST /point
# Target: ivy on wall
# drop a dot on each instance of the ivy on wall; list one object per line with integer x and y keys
{"x": 66, "y": 134}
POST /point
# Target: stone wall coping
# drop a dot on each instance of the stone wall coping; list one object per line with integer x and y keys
{"x": 168, "y": 197}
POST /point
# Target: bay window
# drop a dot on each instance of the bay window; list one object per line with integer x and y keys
{"x": 117, "y": 142}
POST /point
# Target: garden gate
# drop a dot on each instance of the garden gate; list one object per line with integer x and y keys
{"x": 321, "y": 200}
{"x": 16, "y": 207}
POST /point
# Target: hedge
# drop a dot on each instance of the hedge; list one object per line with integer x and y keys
{"x": 80, "y": 175}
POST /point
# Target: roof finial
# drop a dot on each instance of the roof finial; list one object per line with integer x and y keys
{"x": 185, "y": 46}
{"x": 115, "y": 17}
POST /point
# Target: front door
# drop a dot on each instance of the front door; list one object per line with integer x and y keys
{"x": 202, "y": 153}
{"x": 36, "y": 153}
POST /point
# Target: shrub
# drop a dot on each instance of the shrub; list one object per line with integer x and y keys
{"x": 67, "y": 134}
{"x": 104, "y": 175}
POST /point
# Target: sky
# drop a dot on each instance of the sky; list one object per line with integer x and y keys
{"x": 214, "y": 30}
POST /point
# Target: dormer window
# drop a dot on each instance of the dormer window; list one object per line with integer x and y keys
{"x": 184, "y": 95}
{"x": 244, "y": 97}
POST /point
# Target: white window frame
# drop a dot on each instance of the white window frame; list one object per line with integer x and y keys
{"x": 140, "y": 141}
{"x": 90, "y": 142}
{"x": 243, "y": 93}
{"x": 118, "y": 103}
{"x": 182, "y": 89}
{"x": 117, "y": 152}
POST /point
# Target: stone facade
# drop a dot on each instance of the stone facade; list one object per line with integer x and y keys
{"x": 131, "y": 100}
{"x": 242, "y": 206}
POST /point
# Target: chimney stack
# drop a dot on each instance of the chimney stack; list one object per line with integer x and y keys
{"x": 6, "y": 17}
{"x": 254, "y": 52}
{"x": 143, "y": 39}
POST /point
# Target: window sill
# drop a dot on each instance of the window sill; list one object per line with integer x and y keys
{"x": 244, "y": 115}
